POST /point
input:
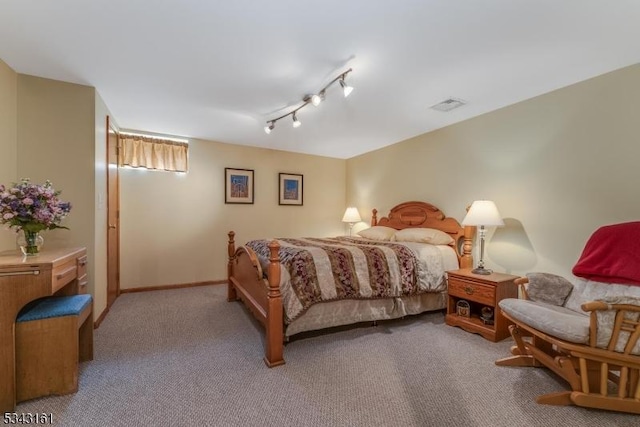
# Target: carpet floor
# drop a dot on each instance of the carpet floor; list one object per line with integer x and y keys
{"x": 188, "y": 357}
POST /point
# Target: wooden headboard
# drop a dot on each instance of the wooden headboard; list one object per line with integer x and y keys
{"x": 425, "y": 215}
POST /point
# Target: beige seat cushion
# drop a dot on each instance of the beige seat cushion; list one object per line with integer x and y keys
{"x": 559, "y": 322}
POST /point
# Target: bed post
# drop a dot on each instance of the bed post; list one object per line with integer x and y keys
{"x": 466, "y": 260}
{"x": 231, "y": 247}
{"x": 374, "y": 217}
{"x": 275, "y": 322}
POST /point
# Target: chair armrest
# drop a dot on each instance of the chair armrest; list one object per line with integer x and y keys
{"x": 521, "y": 282}
{"x": 614, "y": 323}
{"x": 617, "y": 303}
{"x": 594, "y": 305}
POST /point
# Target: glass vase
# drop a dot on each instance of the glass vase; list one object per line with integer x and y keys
{"x": 30, "y": 242}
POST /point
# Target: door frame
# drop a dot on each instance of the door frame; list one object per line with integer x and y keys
{"x": 113, "y": 244}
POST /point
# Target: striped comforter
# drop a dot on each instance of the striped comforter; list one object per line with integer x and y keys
{"x": 317, "y": 270}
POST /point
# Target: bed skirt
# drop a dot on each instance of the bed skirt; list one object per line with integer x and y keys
{"x": 346, "y": 312}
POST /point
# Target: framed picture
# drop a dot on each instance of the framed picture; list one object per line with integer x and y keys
{"x": 291, "y": 189}
{"x": 238, "y": 185}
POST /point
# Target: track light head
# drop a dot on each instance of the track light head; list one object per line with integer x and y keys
{"x": 346, "y": 89}
{"x": 269, "y": 127}
{"x": 296, "y": 122}
{"x": 316, "y": 99}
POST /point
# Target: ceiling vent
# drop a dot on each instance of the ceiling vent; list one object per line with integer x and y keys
{"x": 448, "y": 104}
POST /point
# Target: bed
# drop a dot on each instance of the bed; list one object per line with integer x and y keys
{"x": 294, "y": 285}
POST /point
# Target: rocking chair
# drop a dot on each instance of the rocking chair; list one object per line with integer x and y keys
{"x": 588, "y": 331}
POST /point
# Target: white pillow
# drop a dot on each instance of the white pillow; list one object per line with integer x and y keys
{"x": 378, "y": 232}
{"x": 423, "y": 235}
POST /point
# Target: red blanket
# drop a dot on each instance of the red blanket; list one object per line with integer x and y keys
{"x": 612, "y": 255}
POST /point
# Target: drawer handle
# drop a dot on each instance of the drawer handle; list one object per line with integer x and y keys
{"x": 468, "y": 290}
{"x": 83, "y": 263}
{"x": 66, "y": 272}
{"x": 20, "y": 273}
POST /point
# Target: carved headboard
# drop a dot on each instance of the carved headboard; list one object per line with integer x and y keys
{"x": 425, "y": 215}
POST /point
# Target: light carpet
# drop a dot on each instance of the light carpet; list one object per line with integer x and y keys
{"x": 188, "y": 357}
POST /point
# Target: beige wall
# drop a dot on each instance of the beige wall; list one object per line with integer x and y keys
{"x": 57, "y": 131}
{"x": 558, "y": 166}
{"x": 56, "y": 138}
{"x": 174, "y": 226}
{"x": 8, "y": 139}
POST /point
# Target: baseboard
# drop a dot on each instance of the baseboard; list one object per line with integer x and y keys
{"x": 176, "y": 286}
{"x": 99, "y": 320}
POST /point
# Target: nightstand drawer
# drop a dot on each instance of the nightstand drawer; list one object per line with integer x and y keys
{"x": 484, "y": 294}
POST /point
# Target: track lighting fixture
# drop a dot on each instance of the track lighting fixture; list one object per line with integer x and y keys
{"x": 296, "y": 122}
{"x": 346, "y": 89}
{"x": 314, "y": 99}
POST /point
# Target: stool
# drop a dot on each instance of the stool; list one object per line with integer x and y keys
{"x": 53, "y": 335}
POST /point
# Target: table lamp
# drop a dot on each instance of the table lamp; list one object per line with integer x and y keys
{"x": 351, "y": 215}
{"x": 482, "y": 213}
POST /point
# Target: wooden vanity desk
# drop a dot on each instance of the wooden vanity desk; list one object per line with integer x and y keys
{"x": 24, "y": 279}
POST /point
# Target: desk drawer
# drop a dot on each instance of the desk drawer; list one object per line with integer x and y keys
{"x": 82, "y": 267}
{"x": 82, "y": 285}
{"x": 484, "y": 294}
{"x": 83, "y": 279}
{"x": 63, "y": 274}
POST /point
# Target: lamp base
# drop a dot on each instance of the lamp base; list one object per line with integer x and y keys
{"x": 481, "y": 270}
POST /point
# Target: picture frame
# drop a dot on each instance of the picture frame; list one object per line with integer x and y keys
{"x": 291, "y": 191}
{"x": 238, "y": 186}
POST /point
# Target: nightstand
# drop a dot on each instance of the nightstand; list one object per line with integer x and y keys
{"x": 472, "y": 295}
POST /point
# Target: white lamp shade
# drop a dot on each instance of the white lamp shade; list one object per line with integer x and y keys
{"x": 351, "y": 215}
{"x": 483, "y": 212}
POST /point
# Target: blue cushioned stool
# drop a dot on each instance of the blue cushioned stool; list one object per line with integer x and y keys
{"x": 53, "y": 335}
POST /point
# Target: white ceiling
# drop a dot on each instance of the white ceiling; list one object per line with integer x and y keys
{"x": 219, "y": 70}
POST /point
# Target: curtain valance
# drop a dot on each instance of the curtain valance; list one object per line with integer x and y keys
{"x": 153, "y": 153}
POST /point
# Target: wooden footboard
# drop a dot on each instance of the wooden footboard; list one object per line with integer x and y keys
{"x": 262, "y": 296}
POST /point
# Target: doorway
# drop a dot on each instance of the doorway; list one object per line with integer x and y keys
{"x": 113, "y": 214}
